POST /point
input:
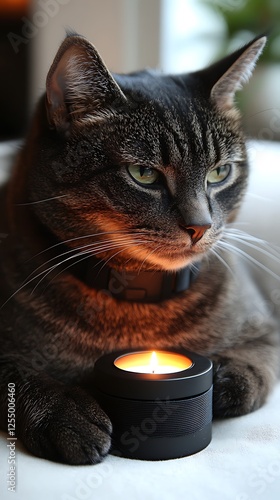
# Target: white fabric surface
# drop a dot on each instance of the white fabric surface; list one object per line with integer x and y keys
{"x": 243, "y": 460}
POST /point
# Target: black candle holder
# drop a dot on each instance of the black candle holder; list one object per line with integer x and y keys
{"x": 156, "y": 416}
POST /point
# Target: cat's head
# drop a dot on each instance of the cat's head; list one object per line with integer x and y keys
{"x": 146, "y": 168}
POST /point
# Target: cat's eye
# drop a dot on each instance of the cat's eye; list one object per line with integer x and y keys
{"x": 143, "y": 175}
{"x": 219, "y": 174}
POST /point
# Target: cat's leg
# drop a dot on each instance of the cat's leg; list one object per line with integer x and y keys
{"x": 54, "y": 421}
{"x": 245, "y": 375}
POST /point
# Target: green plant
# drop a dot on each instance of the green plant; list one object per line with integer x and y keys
{"x": 248, "y": 18}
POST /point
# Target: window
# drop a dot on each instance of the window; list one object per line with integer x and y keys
{"x": 191, "y": 34}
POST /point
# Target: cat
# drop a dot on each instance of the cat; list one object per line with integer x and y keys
{"x": 113, "y": 213}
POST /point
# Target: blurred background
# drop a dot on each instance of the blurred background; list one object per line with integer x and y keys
{"x": 172, "y": 35}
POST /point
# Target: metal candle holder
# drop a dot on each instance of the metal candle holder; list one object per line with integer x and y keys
{"x": 156, "y": 416}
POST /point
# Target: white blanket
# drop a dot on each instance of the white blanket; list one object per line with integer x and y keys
{"x": 243, "y": 460}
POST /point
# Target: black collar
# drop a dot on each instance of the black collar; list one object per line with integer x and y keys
{"x": 143, "y": 286}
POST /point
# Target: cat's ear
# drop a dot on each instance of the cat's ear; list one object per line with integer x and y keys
{"x": 79, "y": 86}
{"x": 231, "y": 73}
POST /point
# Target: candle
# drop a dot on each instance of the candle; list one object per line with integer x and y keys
{"x": 159, "y": 402}
{"x": 153, "y": 362}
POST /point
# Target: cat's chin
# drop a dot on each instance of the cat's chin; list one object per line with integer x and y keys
{"x": 153, "y": 262}
{"x": 172, "y": 263}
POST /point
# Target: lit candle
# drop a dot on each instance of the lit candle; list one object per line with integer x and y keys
{"x": 152, "y": 362}
{"x": 159, "y": 402}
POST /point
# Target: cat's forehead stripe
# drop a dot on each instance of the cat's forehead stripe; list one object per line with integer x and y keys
{"x": 201, "y": 142}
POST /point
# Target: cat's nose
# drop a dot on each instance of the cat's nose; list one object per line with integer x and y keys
{"x": 197, "y": 231}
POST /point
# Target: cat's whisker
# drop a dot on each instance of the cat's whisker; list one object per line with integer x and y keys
{"x": 236, "y": 223}
{"x": 230, "y": 228}
{"x": 260, "y": 112}
{"x": 86, "y": 257}
{"x": 75, "y": 250}
{"x": 89, "y": 252}
{"x": 41, "y": 201}
{"x": 195, "y": 266}
{"x": 243, "y": 234}
{"x": 47, "y": 271}
{"x": 220, "y": 258}
{"x": 259, "y": 197}
{"x": 251, "y": 259}
{"x": 135, "y": 250}
{"x": 147, "y": 256}
{"x": 248, "y": 239}
{"x": 255, "y": 247}
{"x": 108, "y": 260}
{"x": 70, "y": 240}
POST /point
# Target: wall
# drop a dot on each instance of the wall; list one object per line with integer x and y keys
{"x": 126, "y": 32}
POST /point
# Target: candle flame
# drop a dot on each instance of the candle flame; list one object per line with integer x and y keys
{"x": 154, "y": 362}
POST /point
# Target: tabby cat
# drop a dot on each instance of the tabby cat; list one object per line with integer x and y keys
{"x": 113, "y": 213}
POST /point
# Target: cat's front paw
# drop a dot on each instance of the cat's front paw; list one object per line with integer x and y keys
{"x": 238, "y": 388}
{"x": 68, "y": 426}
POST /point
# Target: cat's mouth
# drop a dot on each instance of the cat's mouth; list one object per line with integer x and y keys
{"x": 122, "y": 246}
{"x": 173, "y": 254}
{"x": 174, "y": 259}
{"x": 154, "y": 255}
{"x": 180, "y": 252}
